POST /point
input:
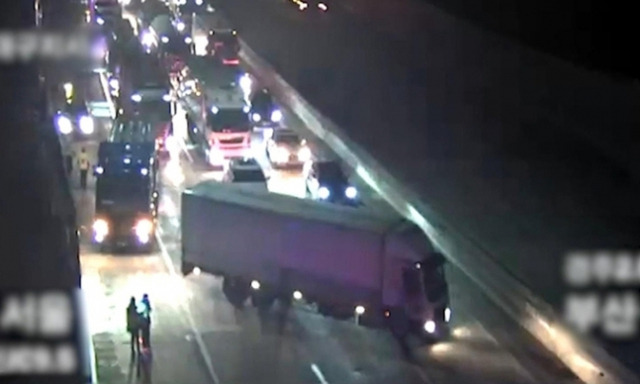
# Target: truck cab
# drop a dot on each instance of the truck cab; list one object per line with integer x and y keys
{"x": 227, "y": 121}
{"x": 126, "y": 187}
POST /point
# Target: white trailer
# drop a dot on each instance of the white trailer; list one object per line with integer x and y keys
{"x": 349, "y": 261}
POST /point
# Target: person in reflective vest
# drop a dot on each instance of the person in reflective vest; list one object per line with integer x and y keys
{"x": 83, "y": 163}
{"x": 145, "y": 317}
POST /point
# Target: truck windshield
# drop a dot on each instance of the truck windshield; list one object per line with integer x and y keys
{"x": 331, "y": 172}
{"x": 132, "y": 131}
{"x": 155, "y": 109}
{"x": 248, "y": 176}
{"x": 122, "y": 192}
{"x": 289, "y": 139}
{"x": 228, "y": 119}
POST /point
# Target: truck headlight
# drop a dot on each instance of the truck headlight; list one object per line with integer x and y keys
{"x": 144, "y": 229}
{"x": 100, "y": 230}
{"x": 256, "y": 117}
{"x": 148, "y": 39}
{"x": 86, "y": 125}
{"x": 304, "y": 154}
{"x": 351, "y": 192}
{"x": 281, "y": 155}
{"x": 65, "y": 126}
{"x": 276, "y": 116}
{"x": 430, "y": 326}
{"x": 324, "y": 193}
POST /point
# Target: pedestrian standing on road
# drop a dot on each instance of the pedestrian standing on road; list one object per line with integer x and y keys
{"x": 145, "y": 313}
{"x": 133, "y": 326}
{"x": 83, "y": 163}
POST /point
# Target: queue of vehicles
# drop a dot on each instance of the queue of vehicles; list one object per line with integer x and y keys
{"x": 350, "y": 260}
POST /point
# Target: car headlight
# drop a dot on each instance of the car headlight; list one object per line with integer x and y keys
{"x": 256, "y": 117}
{"x": 166, "y": 97}
{"x": 86, "y": 125}
{"x": 276, "y": 116}
{"x": 164, "y": 39}
{"x": 351, "y": 192}
{"x": 143, "y": 228}
{"x": 324, "y": 193}
{"x": 281, "y": 154}
{"x": 304, "y": 154}
{"x": 136, "y": 98}
{"x": 100, "y": 228}
{"x": 214, "y": 109}
{"x": 188, "y": 40}
{"x": 65, "y": 126}
{"x": 430, "y": 326}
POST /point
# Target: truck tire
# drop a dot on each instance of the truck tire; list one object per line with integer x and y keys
{"x": 263, "y": 299}
{"x": 236, "y": 290}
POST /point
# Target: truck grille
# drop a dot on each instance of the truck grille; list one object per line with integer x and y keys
{"x": 238, "y": 140}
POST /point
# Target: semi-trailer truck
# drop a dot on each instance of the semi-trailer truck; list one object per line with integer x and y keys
{"x": 350, "y": 262}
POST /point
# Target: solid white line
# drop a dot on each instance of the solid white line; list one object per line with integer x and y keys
{"x": 197, "y": 336}
{"x": 318, "y": 373}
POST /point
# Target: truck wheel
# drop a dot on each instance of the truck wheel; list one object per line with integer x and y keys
{"x": 263, "y": 300}
{"x": 236, "y": 291}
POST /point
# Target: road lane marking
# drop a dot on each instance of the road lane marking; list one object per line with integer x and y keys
{"x": 197, "y": 336}
{"x": 318, "y": 373}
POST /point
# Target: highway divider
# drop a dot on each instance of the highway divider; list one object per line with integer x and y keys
{"x": 588, "y": 360}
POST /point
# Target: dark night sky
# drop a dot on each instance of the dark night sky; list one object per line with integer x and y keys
{"x": 595, "y": 34}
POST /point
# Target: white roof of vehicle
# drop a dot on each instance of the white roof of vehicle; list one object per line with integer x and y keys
{"x": 351, "y": 217}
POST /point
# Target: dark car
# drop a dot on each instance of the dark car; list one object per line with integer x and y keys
{"x": 327, "y": 181}
{"x": 264, "y": 111}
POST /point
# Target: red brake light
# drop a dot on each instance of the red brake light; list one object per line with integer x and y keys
{"x": 231, "y": 62}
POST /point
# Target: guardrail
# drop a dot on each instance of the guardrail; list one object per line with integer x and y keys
{"x": 589, "y": 361}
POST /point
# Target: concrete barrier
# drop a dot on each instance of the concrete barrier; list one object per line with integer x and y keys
{"x": 589, "y": 361}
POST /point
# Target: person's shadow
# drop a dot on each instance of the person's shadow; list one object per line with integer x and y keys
{"x": 144, "y": 366}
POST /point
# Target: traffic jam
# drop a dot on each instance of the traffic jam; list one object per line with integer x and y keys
{"x": 179, "y": 86}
